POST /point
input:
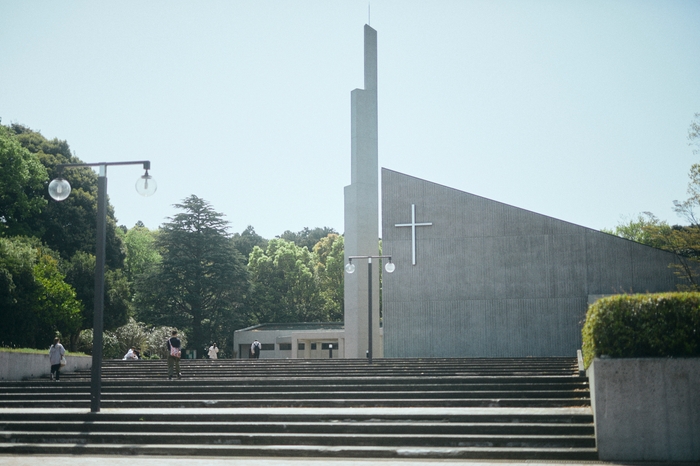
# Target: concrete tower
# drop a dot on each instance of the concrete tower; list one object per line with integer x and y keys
{"x": 362, "y": 210}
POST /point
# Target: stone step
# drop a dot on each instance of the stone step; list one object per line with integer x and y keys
{"x": 345, "y": 426}
{"x": 379, "y": 362}
{"x": 257, "y": 393}
{"x": 295, "y": 366}
{"x": 427, "y": 439}
{"x": 415, "y": 384}
{"x": 186, "y": 384}
{"x": 560, "y": 416}
{"x": 310, "y": 451}
{"x": 310, "y": 403}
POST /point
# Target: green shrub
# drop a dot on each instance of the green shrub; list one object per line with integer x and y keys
{"x": 111, "y": 348}
{"x": 643, "y": 325}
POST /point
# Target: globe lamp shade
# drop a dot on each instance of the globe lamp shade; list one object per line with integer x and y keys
{"x": 59, "y": 189}
{"x": 146, "y": 185}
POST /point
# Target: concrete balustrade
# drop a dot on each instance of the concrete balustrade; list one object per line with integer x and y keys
{"x": 21, "y": 366}
{"x": 646, "y": 409}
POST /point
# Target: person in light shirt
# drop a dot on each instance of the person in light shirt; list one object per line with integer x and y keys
{"x": 56, "y": 353}
{"x": 213, "y": 351}
{"x": 131, "y": 355}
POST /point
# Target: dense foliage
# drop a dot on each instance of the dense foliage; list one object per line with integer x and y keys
{"x": 643, "y": 325}
{"x": 64, "y": 232}
{"x": 35, "y": 300}
{"x": 285, "y": 286}
{"x": 22, "y": 179}
{"x": 307, "y": 237}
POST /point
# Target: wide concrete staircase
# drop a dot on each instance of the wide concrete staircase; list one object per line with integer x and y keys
{"x": 534, "y": 408}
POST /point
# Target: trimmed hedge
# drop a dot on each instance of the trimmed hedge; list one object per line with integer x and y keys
{"x": 643, "y": 325}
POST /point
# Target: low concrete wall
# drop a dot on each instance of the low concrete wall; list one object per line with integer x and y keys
{"x": 19, "y": 366}
{"x": 646, "y": 409}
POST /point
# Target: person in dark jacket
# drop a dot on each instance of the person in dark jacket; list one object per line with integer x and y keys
{"x": 174, "y": 353}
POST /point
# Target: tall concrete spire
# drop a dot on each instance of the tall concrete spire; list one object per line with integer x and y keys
{"x": 362, "y": 209}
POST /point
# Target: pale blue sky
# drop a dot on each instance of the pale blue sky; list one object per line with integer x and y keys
{"x": 574, "y": 109}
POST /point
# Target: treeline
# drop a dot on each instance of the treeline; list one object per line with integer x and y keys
{"x": 190, "y": 273}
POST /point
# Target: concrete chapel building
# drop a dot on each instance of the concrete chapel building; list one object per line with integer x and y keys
{"x": 474, "y": 277}
{"x": 479, "y": 278}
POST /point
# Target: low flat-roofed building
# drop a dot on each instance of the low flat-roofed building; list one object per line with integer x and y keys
{"x": 315, "y": 340}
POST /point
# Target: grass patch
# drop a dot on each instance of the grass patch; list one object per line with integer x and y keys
{"x": 36, "y": 351}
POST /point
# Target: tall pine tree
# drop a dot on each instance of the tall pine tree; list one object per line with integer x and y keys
{"x": 201, "y": 281}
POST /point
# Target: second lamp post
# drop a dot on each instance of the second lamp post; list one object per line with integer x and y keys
{"x": 350, "y": 268}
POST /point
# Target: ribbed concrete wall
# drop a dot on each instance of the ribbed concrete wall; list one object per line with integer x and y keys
{"x": 493, "y": 280}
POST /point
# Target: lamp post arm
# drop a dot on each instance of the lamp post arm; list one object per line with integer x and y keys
{"x": 369, "y": 257}
{"x": 146, "y": 164}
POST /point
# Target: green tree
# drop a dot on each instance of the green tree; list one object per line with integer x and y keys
{"x": 683, "y": 241}
{"x": 141, "y": 251}
{"x": 22, "y": 178}
{"x": 247, "y": 240}
{"x": 17, "y": 291}
{"x": 307, "y": 238}
{"x": 70, "y": 225}
{"x": 57, "y": 309}
{"x": 329, "y": 253}
{"x": 694, "y": 134}
{"x": 201, "y": 282}
{"x": 35, "y": 301}
{"x": 284, "y": 285}
{"x": 686, "y": 209}
{"x": 80, "y": 273}
{"x": 644, "y": 229}
{"x": 117, "y": 304}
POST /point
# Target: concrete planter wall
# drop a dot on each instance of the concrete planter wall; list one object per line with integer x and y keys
{"x": 646, "y": 409}
{"x": 19, "y": 366}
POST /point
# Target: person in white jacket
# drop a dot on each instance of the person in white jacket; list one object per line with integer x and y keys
{"x": 56, "y": 353}
{"x": 131, "y": 355}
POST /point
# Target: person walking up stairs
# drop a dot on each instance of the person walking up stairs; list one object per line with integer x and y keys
{"x": 174, "y": 353}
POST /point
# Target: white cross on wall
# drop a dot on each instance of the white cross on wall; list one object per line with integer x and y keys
{"x": 413, "y": 226}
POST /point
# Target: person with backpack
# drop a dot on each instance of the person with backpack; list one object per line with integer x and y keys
{"x": 174, "y": 353}
{"x": 255, "y": 349}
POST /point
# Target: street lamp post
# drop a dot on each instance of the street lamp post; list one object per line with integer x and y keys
{"x": 59, "y": 189}
{"x": 350, "y": 268}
